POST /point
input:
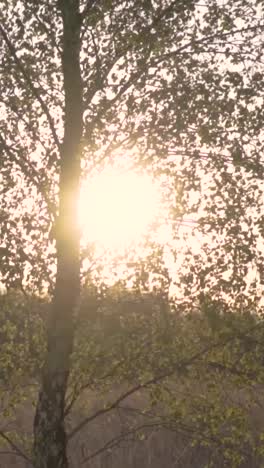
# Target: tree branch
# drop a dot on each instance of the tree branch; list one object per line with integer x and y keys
{"x": 205, "y": 40}
{"x": 144, "y": 34}
{"x": 177, "y": 367}
{"x": 189, "y": 432}
{"x": 31, "y": 86}
{"x": 30, "y": 172}
{"x": 154, "y": 61}
{"x": 122, "y": 437}
{"x": 17, "y": 450}
{"x": 87, "y": 8}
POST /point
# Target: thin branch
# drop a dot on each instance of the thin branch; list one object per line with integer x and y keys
{"x": 30, "y": 172}
{"x": 77, "y": 391}
{"x": 98, "y": 65}
{"x": 31, "y": 86}
{"x": 188, "y": 432}
{"x": 87, "y": 8}
{"x": 115, "y": 404}
{"x": 198, "y": 434}
{"x": 48, "y": 32}
{"x": 205, "y": 40}
{"x": 132, "y": 79}
{"x": 177, "y": 367}
{"x": 150, "y": 62}
{"x": 8, "y": 452}
{"x": 144, "y": 34}
{"x": 17, "y": 450}
{"x": 122, "y": 437}
{"x": 232, "y": 370}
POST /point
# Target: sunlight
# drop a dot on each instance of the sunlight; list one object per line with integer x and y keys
{"x": 116, "y": 208}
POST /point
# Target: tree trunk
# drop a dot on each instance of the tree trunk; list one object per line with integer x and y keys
{"x": 50, "y": 442}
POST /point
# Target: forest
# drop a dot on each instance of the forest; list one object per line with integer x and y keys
{"x": 131, "y": 233}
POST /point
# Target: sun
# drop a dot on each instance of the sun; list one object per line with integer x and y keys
{"x": 116, "y": 208}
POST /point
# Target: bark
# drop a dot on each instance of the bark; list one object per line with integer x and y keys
{"x": 50, "y": 441}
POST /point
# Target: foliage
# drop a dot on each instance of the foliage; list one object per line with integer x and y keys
{"x": 199, "y": 375}
{"x": 177, "y": 87}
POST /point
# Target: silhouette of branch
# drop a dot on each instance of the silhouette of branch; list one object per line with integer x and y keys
{"x": 87, "y": 8}
{"x": 177, "y": 367}
{"x": 122, "y": 437}
{"x": 188, "y": 432}
{"x": 205, "y": 40}
{"x": 15, "y": 447}
{"x": 30, "y": 84}
{"x": 29, "y": 171}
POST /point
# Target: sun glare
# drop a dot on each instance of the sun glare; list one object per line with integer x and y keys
{"x": 116, "y": 208}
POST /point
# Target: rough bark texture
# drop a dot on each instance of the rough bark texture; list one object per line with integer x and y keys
{"x": 49, "y": 431}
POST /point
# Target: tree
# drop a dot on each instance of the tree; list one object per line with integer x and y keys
{"x": 181, "y": 84}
